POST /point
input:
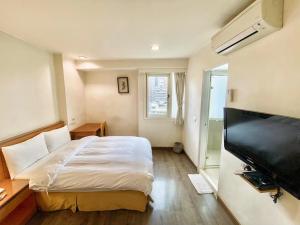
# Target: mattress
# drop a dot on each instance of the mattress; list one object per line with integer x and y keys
{"x": 94, "y": 164}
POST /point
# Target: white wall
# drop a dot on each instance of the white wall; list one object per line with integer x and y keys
{"x": 74, "y": 93}
{"x": 160, "y": 132}
{"x": 266, "y": 77}
{"x": 60, "y": 87}
{"x": 103, "y": 102}
{"x": 191, "y": 132}
{"x": 27, "y": 87}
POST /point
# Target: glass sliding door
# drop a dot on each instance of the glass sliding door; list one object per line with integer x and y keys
{"x": 217, "y": 101}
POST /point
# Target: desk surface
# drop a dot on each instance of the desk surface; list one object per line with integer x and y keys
{"x": 88, "y": 127}
{"x": 12, "y": 188}
{"x": 91, "y": 127}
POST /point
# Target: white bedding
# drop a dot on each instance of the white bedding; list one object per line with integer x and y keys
{"x": 94, "y": 164}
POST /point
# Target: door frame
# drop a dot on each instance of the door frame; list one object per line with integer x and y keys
{"x": 204, "y": 113}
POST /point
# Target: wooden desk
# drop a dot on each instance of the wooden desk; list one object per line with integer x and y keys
{"x": 97, "y": 129}
{"x": 19, "y": 205}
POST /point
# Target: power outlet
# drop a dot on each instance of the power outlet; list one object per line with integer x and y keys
{"x": 73, "y": 121}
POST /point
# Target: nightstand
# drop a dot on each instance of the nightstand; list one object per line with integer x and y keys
{"x": 97, "y": 129}
{"x": 19, "y": 204}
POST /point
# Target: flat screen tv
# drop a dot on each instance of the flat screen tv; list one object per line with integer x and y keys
{"x": 268, "y": 143}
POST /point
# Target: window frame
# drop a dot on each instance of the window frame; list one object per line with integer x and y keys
{"x": 169, "y": 104}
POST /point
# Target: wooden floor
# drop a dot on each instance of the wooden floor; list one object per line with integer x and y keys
{"x": 175, "y": 201}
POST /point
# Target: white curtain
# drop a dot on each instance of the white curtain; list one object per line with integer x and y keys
{"x": 180, "y": 85}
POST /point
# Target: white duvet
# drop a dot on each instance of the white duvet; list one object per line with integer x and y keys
{"x": 94, "y": 164}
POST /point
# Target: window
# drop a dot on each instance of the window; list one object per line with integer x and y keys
{"x": 158, "y": 95}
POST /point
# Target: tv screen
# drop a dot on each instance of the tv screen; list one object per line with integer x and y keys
{"x": 268, "y": 143}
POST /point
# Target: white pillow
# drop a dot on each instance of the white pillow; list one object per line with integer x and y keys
{"x": 56, "y": 138}
{"x": 22, "y": 155}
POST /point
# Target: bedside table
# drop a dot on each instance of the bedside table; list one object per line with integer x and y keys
{"x": 19, "y": 204}
{"x": 97, "y": 129}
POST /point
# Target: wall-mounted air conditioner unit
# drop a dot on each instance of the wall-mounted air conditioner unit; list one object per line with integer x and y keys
{"x": 255, "y": 22}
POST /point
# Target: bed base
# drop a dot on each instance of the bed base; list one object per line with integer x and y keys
{"x": 92, "y": 201}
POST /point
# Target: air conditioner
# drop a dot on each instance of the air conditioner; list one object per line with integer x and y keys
{"x": 258, "y": 20}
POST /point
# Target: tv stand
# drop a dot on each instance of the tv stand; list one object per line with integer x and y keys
{"x": 261, "y": 183}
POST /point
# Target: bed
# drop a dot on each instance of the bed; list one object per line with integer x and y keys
{"x": 90, "y": 174}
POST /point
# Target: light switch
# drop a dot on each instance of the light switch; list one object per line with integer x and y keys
{"x": 231, "y": 95}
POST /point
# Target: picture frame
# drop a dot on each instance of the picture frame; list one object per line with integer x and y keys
{"x": 123, "y": 85}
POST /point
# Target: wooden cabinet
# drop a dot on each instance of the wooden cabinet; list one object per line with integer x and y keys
{"x": 97, "y": 129}
{"x": 19, "y": 205}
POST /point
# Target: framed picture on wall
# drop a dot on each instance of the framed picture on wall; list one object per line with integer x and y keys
{"x": 123, "y": 85}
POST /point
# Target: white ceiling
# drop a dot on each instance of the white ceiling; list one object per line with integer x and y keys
{"x": 117, "y": 29}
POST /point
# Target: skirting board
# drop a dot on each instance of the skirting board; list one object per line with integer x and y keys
{"x": 190, "y": 159}
{"x": 234, "y": 219}
{"x": 162, "y": 148}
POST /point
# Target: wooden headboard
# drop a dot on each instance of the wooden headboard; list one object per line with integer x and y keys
{"x": 18, "y": 139}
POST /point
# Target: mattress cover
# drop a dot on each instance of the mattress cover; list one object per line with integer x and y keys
{"x": 94, "y": 164}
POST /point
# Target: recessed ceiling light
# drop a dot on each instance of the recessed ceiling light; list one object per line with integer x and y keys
{"x": 155, "y": 47}
{"x": 82, "y": 57}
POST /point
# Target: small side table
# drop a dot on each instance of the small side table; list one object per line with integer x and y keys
{"x": 97, "y": 129}
{"x": 19, "y": 205}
